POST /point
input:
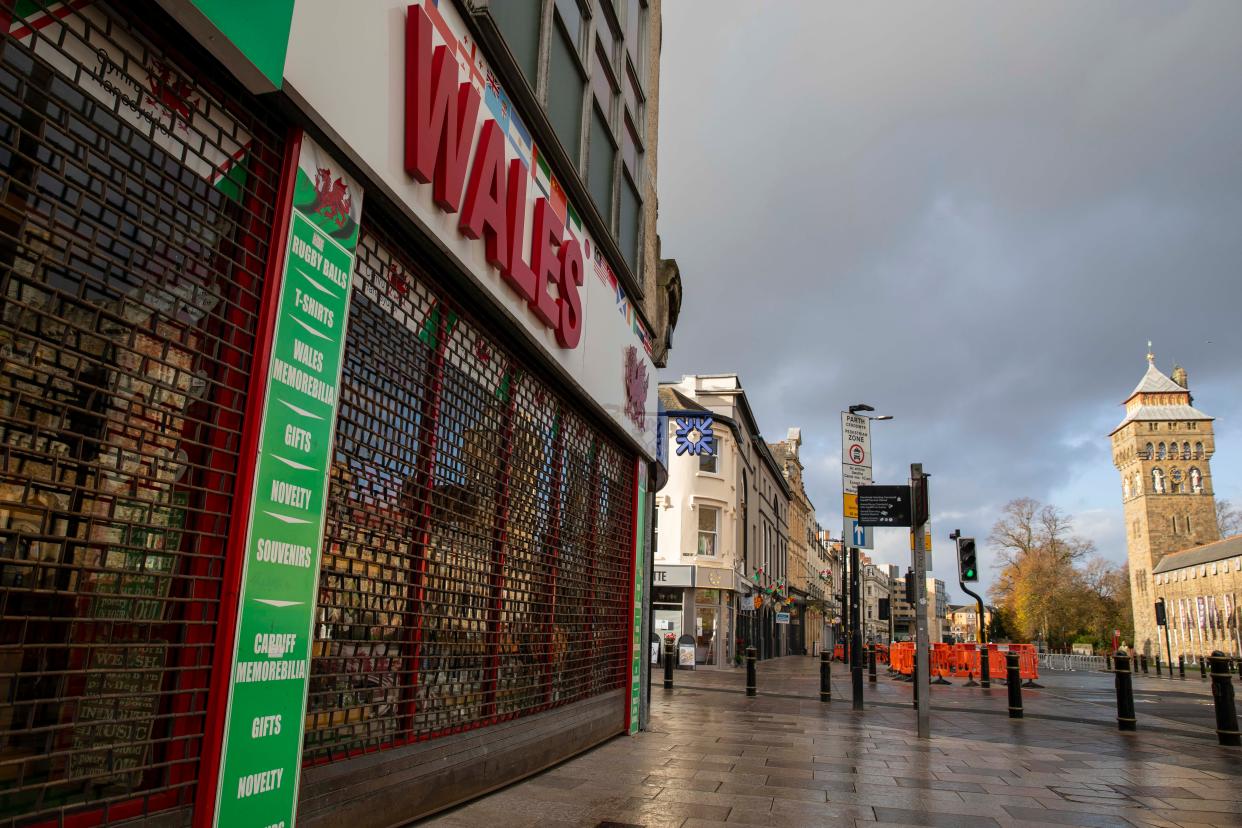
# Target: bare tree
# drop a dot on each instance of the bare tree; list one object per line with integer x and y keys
{"x": 1228, "y": 518}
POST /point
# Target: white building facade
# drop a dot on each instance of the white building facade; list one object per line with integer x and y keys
{"x": 721, "y": 528}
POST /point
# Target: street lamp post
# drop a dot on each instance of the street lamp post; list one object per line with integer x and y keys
{"x": 855, "y": 464}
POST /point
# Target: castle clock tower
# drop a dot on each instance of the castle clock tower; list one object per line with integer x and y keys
{"x": 1163, "y": 450}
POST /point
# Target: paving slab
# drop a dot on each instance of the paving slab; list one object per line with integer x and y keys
{"x": 715, "y": 757}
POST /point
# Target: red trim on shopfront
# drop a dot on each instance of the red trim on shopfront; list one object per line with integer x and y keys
{"x": 235, "y": 552}
{"x": 424, "y": 484}
{"x": 553, "y": 545}
{"x": 500, "y": 548}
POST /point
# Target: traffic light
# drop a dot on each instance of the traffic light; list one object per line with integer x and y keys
{"x": 967, "y": 560}
{"x": 883, "y": 611}
{"x": 910, "y": 596}
{"x": 1161, "y": 618}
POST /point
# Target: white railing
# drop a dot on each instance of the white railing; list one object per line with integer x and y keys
{"x": 1067, "y": 661}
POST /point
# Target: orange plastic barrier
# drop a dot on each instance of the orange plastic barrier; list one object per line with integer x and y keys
{"x": 942, "y": 660}
{"x": 1028, "y": 662}
{"x": 881, "y": 653}
{"x": 838, "y": 652}
{"x": 902, "y": 655}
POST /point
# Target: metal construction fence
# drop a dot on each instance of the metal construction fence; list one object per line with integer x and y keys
{"x": 1072, "y": 662}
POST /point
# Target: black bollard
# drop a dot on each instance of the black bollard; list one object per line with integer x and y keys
{"x": 1222, "y": 695}
{"x": 1181, "y": 666}
{"x": 1158, "y": 673}
{"x": 668, "y": 665}
{"x": 1202, "y": 667}
{"x": 871, "y": 664}
{"x": 825, "y": 676}
{"x": 985, "y": 670}
{"x": 1143, "y": 663}
{"x": 751, "y": 689}
{"x": 1014, "y": 681}
{"x": 1125, "y": 691}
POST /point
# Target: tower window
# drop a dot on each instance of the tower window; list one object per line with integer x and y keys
{"x": 1160, "y": 452}
{"x": 1157, "y": 480}
{"x": 1185, "y": 451}
{"x": 1174, "y": 519}
{"x": 1147, "y": 454}
{"x": 1198, "y": 451}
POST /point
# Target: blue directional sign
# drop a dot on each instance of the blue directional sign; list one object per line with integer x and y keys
{"x": 860, "y": 536}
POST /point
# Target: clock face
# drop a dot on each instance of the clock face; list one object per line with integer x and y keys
{"x": 1177, "y": 475}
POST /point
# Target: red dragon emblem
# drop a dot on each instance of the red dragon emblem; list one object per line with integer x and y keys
{"x": 170, "y": 92}
{"x": 636, "y": 382}
{"x": 332, "y": 199}
{"x": 396, "y": 280}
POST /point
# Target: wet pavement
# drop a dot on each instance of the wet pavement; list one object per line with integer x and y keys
{"x": 715, "y": 757}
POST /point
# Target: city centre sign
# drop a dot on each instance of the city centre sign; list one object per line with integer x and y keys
{"x": 440, "y": 119}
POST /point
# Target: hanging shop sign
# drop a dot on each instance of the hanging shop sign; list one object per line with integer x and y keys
{"x": 426, "y": 113}
{"x": 695, "y": 436}
{"x": 262, "y": 749}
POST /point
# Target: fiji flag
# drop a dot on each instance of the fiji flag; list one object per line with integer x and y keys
{"x": 496, "y": 100}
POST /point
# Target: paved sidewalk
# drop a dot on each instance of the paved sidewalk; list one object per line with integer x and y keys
{"x": 716, "y": 757}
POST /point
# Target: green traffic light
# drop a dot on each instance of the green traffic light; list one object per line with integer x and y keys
{"x": 970, "y": 573}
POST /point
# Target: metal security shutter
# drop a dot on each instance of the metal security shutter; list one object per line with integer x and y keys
{"x": 477, "y": 561}
{"x": 135, "y": 208}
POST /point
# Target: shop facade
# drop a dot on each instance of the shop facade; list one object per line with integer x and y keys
{"x": 329, "y": 423}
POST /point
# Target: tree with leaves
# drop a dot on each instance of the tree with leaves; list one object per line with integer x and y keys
{"x": 1052, "y": 587}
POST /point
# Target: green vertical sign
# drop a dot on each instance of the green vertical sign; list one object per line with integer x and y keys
{"x": 640, "y": 566}
{"x": 262, "y": 749}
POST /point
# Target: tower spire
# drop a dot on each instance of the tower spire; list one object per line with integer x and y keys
{"x": 1151, "y": 358}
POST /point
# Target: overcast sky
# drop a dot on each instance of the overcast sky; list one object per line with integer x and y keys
{"x": 972, "y": 216}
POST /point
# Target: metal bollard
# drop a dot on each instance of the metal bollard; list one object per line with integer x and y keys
{"x": 1014, "y": 682}
{"x": 1181, "y": 666}
{"x": 1202, "y": 667}
{"x": 871, "y": 664}
{"x": 1222, "y": 695}
{"x": 751, "y": 689}
{"x": 668, "y": 665}
{"x": 1158, "y": 673}
{"x": 1143, "y": 663}
{"x": 825, "y": 676}
{"x": 1125, "y": 691}
{"x": 985, "y": 670}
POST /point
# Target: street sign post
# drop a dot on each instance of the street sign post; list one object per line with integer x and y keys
{"x": 884, "y": 506}
{"x": 918, "y": 487}
{"x": 855, "y": 472}
{"x": 861, "y": 536}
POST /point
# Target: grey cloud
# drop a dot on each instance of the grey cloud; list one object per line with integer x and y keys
{"x": 970, "y": 215}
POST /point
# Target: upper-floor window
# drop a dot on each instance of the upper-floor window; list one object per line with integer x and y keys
{"x": 1160, "y": 452}
{"x": 1148, "y": 452}
{"x": 1198, "y": 451}
{"x": 1185, "y": 451}
{"x": 709, "y": 463}
{"x": 518, "y": 21}
{"x": 709, "y": 530}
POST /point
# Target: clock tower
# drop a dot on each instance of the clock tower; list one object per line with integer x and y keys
{"x": 1163, "y": 449}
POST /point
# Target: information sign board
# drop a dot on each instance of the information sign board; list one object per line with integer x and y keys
{"x": 884, "y": 506}
{"x": 782, "y": 618}
{"x": 261, "y": 757}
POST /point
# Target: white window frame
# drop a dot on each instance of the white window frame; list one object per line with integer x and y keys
{"x": 699, "y": 531}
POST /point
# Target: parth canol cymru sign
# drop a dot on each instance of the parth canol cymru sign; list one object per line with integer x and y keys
{"x": 262, "y": 751}
{"x": 440, "y": 117}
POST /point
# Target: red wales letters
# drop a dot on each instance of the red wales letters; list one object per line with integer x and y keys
{"x": 440, "y": 123}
